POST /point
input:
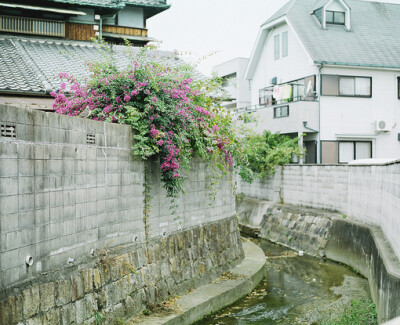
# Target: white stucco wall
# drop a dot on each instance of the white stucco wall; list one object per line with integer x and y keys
{"x": 296, "y": 65}
{"x": 298, "y": 112}
{"x": 352, "y": 118}
{"x": 240, "y": 87}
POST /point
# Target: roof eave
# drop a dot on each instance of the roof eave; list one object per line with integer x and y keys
{"x": 117, "y": 5}
{"x": 356, "y": 65}
{"x": 257, "y": 49}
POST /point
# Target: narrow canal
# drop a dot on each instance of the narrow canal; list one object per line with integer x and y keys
{"x": 295, "y": 290}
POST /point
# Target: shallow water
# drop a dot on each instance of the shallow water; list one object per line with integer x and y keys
{"x": 296, "y": 290}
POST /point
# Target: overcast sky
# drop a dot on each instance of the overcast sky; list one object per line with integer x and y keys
{"x": 227, "y": 28}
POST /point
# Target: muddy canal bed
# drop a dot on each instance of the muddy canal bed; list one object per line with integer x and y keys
{"x": 295, "y": 290}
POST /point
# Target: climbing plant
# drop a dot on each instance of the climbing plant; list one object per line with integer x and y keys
{"x": 173, "y": 114}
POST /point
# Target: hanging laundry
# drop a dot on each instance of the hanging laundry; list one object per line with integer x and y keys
{"x": 277, "y": 92}
{"x": 286, "y": 92}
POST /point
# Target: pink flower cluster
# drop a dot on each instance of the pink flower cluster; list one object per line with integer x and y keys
{"x": 166, "y": 107}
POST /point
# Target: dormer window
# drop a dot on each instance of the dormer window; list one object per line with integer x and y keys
{"x": 335, "y": 17}
{"x": 332, "y": 12}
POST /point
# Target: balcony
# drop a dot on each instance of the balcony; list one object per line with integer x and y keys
{"x": 32, "y": 26}
{"x": 284, "y": 108}
{"x": 282, "y": 94}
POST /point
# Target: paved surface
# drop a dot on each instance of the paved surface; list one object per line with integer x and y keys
{"x": 218, "y": 294}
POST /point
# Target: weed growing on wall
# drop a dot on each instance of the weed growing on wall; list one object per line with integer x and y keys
{"x": 171, "y": 112}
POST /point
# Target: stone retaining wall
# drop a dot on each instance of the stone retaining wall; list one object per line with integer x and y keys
{"x": 299, "y": 228}
{"x": 116, "y": 284}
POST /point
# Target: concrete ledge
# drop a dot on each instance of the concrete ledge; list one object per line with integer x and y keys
{"x": 395, "y": 321}
{"x": 218, "y": 294}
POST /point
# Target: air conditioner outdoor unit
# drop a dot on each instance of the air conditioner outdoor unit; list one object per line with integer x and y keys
{"x": 381, "y": 126}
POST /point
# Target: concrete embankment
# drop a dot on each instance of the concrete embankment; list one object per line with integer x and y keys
{"x": 365, "y": 233}
{"x": 327, "y": 234}
{"x": 239, "y": 282}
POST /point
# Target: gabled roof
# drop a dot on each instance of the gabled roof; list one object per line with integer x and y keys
{"x": 373, "y": 41}
{"x": 32, "y": 65}
{"x": 319, "y": 4}
{"x": 281, "y": 12}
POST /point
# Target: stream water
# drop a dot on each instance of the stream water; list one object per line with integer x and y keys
{"x": 295, "y": 290}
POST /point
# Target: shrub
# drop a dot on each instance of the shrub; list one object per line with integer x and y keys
{"x": 268, "y": 150}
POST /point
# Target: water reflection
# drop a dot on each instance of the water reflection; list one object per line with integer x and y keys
{"x": 295, "y": 290}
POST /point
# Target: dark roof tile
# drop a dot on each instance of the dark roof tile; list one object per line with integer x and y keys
{"x": 31, "y": 65}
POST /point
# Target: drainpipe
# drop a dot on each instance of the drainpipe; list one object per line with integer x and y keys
{"x": 101, "y": 29}
{"x": 319, "y": 158}
{"x": 300, "y": 136}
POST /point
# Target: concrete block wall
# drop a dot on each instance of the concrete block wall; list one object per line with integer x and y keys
{"x": 367, "y": 193}
{"x": 263, "y": 189}
{"x": 195, "y": 207}
{"x": 61, "y": 195}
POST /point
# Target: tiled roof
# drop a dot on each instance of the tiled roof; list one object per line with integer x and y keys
{"x": 281, "y": 12}
{"x": 115, "y": 3}
{"x": 15, "y": 73}
{"x": 32, "y": 65}
{"x": 374, "y": 38}
{"x": 150, "y": 3}
{"x": 96, "y": 3}
{"x": 319, "y": 4}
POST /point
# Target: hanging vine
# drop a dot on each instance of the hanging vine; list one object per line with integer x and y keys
{"x": 146, "y": 208}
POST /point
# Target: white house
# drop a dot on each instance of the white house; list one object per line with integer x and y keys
{"x": 234, "y": 83}
{"x": 330, "y": 69}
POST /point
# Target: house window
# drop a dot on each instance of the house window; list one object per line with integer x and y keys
{"x": 335, "y": 17}
{"x": 332, "y": 85}
{"x": 351, "y": 150}
{"x": 276, "y": 47}
{"x": 329, "y": 152}
{"x": 281, "y": 111}
{"x": 285, "y": 44}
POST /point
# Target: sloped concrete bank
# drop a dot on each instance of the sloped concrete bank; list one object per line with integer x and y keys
{"x": 214, "y": 296}
{"x": 337, "y": 237}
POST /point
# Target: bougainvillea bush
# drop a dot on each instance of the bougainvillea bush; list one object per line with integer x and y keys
{"x": 171, "y": 113}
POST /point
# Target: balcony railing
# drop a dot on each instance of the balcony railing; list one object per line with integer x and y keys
{"x": 32, "y": 26}
{"x": 254, "y": 108}
{"x": 291, "y": 91}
